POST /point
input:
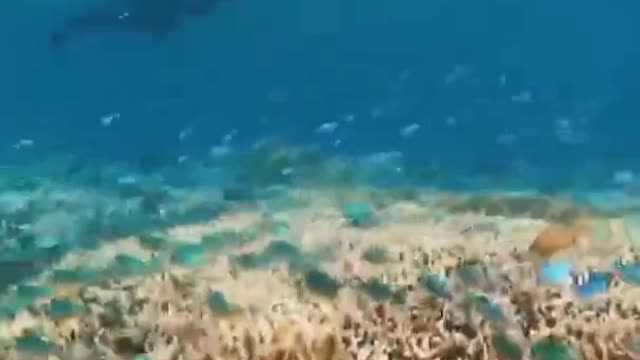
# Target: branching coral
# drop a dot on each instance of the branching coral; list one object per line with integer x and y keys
{"x": 441, "y": 291}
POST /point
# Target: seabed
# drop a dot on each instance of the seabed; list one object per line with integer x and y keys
{"x": 334, "y": 268}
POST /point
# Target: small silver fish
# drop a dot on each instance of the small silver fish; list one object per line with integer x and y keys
{"x": 409, "y": 130}
{"x": 23, "y": 143}
{"x": 327, "y": 128}
{"x": 106, "y": 120}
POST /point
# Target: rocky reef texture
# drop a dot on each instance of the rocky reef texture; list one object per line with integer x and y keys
{"x": 414, "y": 281}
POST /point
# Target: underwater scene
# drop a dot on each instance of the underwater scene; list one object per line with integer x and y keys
{"x": 319, "y": 180}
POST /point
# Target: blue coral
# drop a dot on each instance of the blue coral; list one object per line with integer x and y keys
{"x": 189, "y": 255}
{"x": 437, "y": 285}
{"x": 359, "y": 214}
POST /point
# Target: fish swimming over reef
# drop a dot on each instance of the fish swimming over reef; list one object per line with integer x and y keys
{"x": 157, "y": 18}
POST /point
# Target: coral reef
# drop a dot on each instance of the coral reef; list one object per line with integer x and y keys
{"x": 311, "y": 282}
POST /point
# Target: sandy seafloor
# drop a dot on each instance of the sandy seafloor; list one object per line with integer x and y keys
{"x": 344, "y": 273}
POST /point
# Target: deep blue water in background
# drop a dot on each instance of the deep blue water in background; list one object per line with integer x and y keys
{"x": 283, "y": 67}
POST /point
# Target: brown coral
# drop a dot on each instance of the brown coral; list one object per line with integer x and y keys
{"x": 555, "y": 238}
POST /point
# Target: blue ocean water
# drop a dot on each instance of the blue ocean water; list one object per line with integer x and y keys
{"x": 129, "y": 117}
{"x": 462, "y": 71}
